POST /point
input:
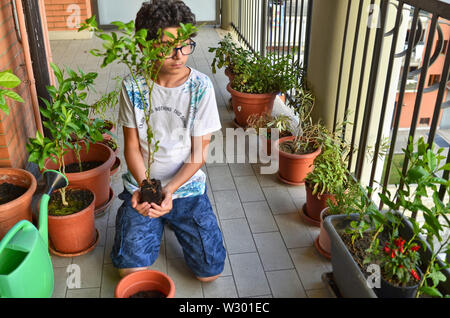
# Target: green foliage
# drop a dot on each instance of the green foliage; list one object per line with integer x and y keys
{"x": 265, "y": 122}
{"x": 229, "y": 55}
{"x": 8, "y": 80}
{"x": 142, "y": 57}
{"x": 398, "y": 258}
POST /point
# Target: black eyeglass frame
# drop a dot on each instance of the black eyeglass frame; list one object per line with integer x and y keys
{"x": 193, "y": 44}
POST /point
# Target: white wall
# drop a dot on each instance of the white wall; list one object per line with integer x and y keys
{"x": 125, "y": 11}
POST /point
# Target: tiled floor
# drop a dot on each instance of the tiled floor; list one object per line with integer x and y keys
{"x": 270, "y": 250}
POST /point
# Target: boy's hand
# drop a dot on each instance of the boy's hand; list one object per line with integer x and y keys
{"x": 143, "y": 208}
{"x": 157, "y": 211}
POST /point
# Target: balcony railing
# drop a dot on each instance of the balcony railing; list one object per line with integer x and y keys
{"x": 395, "y": 48}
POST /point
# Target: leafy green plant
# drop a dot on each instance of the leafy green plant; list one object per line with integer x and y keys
{"x": 67, "y": 116}
{"x": 267, "y": 122}
{"x": 143, "y": 57}
{"x": 8, "y": 80}
{"x": 229, "y": 55}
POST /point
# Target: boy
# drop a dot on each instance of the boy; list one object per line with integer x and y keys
{"x": 182, "y": 98}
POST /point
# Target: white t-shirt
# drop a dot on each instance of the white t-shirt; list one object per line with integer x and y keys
{"x": 177, "y": 114}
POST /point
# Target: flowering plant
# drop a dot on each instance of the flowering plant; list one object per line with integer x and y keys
{"x": 400, "y": 260}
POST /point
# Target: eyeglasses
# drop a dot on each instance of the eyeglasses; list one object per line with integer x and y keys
{"x": 185, "y": 49}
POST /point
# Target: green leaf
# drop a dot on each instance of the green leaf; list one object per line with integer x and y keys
{"x": 8, "y": 79}
{"x": 430, "y": 291}
{"x": 12, "y": 95}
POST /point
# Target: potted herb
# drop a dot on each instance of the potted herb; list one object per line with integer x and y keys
{"x": 254, "y": 88}
{"x": 18, "y": 185}
{"x": 143, "y": 58}
{"x": 85, "y": 162}
{"x": 230, "y": 56}
{"x": 297, "y": 153}
{"x": 402, "y": 251}
{"x": 328, "y": 176}
{"x": 263, "y": 125}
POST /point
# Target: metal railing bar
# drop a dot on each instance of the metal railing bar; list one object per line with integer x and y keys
{"x": 344, "y": 40}
{"x": 401, "y": 95}
{"x": 308, "y": 33}
{"x": 372, "y": 82}
{"x": 398, "y": 20}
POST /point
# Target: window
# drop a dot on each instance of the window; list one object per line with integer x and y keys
{"x": 434, "y": 79}
{"x": 424, "y": 121}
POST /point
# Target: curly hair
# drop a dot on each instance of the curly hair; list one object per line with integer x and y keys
{"x": 161, "y": 14}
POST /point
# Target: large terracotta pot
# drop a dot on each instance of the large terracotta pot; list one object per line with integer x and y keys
{"x": 322, "y": 242}
{"x": 145, "y": 280}
{"x": 73, "y": 234}
{"x": 294, "y": 168}
{"x": 315, "y": 204}
{"x": 20, "y": 208}
{"x": 245, "y": 104}
{"x": 98, "y": 179}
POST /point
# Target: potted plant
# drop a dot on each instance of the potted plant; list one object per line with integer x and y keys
{"x": 402, "y": 251}
{"x": 263, "y": 125}
{"x": 297, "y": 153}
{"x": 85, "y": 162}
{"x": 143, "y": 58}
{"x": 145, "y": 284}
{"x": 328, "y": 176}
{"x": 18, "y": 185}
{"x": 254, "y": 88}
{"x": 71, "y": 210}
{"x": 230, "y": 56}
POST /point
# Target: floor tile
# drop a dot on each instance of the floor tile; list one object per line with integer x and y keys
{"x": 249, "y": 189}
{"x": 186, "y": 285}
{"x": 309, "y": 266}
{"x": 259, "y": 217}
{"x": 110, "y": 278}
{"x": 318, "y": 293}
{"x": 237, "y": 235}
{"x": 222, "y": 287}
{"x": 83, "y": 293}
{"x": 228, "y": 204}
{"x": 91, "y": 266}
{"x": 279, "y": 200}
{"x": 220, "y": 178}
{"x": 285, "y": 284}
{"x": 249, "y": 275}
{"x": 295, "y": 233}
{"x": 272, "y": 251}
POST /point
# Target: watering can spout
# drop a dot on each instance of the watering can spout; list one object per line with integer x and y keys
{"x": 54, "y": 180}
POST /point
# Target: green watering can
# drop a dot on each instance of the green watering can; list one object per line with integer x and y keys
{"x": 26, "y": 269}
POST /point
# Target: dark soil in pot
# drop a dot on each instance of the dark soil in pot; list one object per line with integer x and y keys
{"x": 151, "y": 191}
{"x": 9, "y": 192}
{"x": 88, "y": 165}
{"x": 148, "y": 294}
{"x": 289, "y": 147}
{"x": 77, "y": 200}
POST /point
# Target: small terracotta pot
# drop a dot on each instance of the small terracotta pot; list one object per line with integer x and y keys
{"x": 294, "y": 168}
{"x": 145, "y": 280}
{"x": 111, "y": 127}
{"x": 315, "y": 204}
{"x": 20, "y": 208}
{"x": 115, "y": 167}
{"x": 73, "y": 233}
{"x": 322, "y": 242}
{"x": 98, "y": 179}
{"x": 245, "y": 104}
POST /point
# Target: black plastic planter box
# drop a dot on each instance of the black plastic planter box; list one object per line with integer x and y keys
{"x": 350, "y": 280}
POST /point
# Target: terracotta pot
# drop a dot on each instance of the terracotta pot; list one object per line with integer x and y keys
{"x": 315, "y": 204}
{"x": 245, "y": 104}
{"x": 145, "y": 280}
{"x": 73, "y": 233}
{"x": 98, "y": 179}
{"x": 111, "y": 127}
{"x": 115, "y": 167}
{"x": 322, "y": 242}
{"x": 294, "y": 168}
{"x": 20, "y": 208}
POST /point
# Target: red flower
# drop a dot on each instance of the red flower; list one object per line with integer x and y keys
{"x": 415, "y": 248}
{"x": 399, "y": 242}
{"x": 415, "y": 275}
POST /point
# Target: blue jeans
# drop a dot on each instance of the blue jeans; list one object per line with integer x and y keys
{"x": 138, "y": 238}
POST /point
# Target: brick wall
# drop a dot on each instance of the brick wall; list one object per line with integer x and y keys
{"x": 19, "y": 125}
{"x": 64, "y": 14}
